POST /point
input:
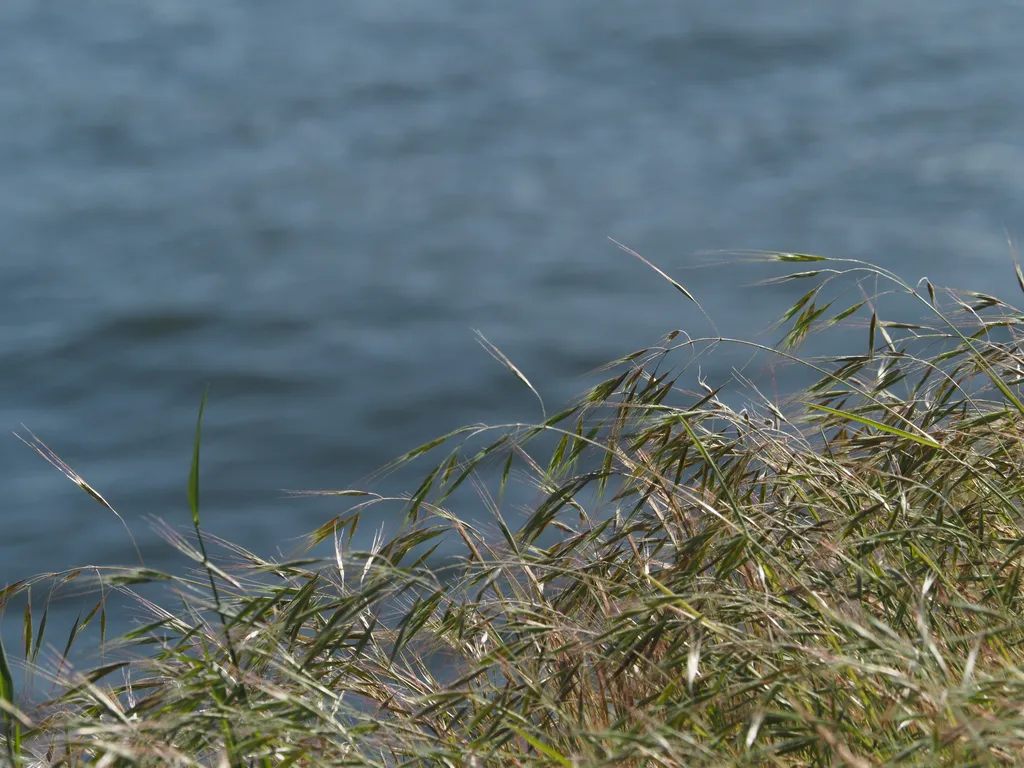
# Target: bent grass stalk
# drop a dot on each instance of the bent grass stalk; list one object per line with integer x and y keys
{"x": 832, "y": 580}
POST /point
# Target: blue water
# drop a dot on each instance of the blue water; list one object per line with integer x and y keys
{"x": 310, "y": 206}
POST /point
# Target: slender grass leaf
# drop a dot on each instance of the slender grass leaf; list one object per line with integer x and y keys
{"x": 882, "y": 427}
{"x": 11, "y": 726}
{"x": 27, "y": 636}
{"x": 40, "y": 632}
{"x": 72, "y": 635}
{"x": 543, "y": 748}
{"x": 193, "y": 477}
{"x": 498, "y": 355}
{"x": 672, "y": 282}
{"x": 871, "y": 334}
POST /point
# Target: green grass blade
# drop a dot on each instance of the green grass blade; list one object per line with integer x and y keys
{"x": 39, "y": 634}
{"x": 541, "y": 747}
{"x": 11, "y": 725}
{"x": 922, "y": 439}
{"x": 28, "y": 624}
{"x": 193, "y": 477}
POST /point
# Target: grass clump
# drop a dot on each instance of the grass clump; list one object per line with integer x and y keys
{"x": 835, "y": 580}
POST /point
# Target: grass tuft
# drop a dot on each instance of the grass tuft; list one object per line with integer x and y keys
{"x": 830, "y": 580}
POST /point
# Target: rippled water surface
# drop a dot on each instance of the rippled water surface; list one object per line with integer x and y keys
{"x": 310, "y": 206}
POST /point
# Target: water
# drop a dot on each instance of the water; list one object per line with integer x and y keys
{"x": 310, "y": 205}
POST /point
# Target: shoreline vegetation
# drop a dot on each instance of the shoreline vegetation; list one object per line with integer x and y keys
{"x": 832, "y": 580}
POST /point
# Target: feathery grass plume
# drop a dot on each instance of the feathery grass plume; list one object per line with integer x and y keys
{"x": 831, "y": 580}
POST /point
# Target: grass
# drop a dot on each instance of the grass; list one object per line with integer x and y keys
{"x": 832, "y": 580}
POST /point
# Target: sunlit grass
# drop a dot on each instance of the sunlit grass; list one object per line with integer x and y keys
{"x": 830, "y": 580}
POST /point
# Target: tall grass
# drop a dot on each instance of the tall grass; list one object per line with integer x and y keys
{"x": 832, "y": 580}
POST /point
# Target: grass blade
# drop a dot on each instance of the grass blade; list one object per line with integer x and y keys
{"x": 12, "y": 727}
{"x": 923, "y": 439}
{"x": 193, "y": 477}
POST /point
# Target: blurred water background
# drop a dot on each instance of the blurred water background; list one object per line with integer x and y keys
{"x": 310, "y": 205}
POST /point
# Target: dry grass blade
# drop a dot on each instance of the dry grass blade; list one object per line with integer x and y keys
{"x": 43, "y": 450}
{"x": 498, "y": 355}
{"x": 674, "y": 283}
